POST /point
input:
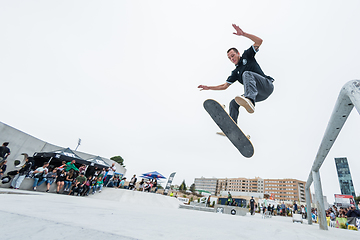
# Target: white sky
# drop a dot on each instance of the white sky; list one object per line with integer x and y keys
{"x": 123, "y": 77}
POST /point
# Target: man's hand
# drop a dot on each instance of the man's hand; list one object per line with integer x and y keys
{"x": 257, "y": 41}
{"x": 238, "y": 32}
{"x": 203, "y": 87}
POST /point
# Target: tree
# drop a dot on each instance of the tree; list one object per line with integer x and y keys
{"x": 192, "y": 188}
{"x": 118, "y": 159}
{"x": 183, "y": 186}
{"x": 357, "y": 199}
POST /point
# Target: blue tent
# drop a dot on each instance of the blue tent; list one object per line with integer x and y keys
{"x": 151, "y": 175}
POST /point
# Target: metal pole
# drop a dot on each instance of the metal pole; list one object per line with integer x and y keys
{"x": 348, "y": 98}
{"x": 308, "y": 205}
{"x": 79, "y": 142}
{"x": 319, "y": 201}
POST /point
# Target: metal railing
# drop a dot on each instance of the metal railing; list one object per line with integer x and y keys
{"x": 348, "y": 98}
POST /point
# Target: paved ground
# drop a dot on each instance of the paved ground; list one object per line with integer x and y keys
{"x": 123, "y": 214}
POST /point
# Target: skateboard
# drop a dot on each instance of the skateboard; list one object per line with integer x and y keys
{"x": 229, "y": 127}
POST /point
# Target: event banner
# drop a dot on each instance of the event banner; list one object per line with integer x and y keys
{"x": 344, "y": 200}
{"x": 168, "y": 184}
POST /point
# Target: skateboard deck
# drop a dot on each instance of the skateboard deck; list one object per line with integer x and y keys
{"x": 229, "y": 127}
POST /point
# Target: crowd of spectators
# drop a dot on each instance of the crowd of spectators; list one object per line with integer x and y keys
{"x": 349, "y": 214}
{"x": 71, "y": 180}
{"x": 68, "y": 178}
{"x": 149, "y": 185}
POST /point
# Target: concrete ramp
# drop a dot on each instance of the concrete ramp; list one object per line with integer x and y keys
{"x": 137, "y": 198}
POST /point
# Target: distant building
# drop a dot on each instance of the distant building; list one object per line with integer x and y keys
{"x": 344, "y": 175}
{"x": 285, "y": 189}
{"x": 221, "y": 185}
{"x": 245, "y": 185}
{"x": 206, "y": 184}
{"x": 279, "y": 189}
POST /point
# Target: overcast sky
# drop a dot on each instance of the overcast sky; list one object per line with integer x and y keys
{"x": 123, "y": 77}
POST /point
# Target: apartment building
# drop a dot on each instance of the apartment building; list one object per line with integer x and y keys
{"x": 279, "y": 189}
{"x": 245, "y": 185}
{"x": 285, "y": 189}
{"x": 206, "y": 184}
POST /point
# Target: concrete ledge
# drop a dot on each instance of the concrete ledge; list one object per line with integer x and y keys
{"x": 231, "y": 210}
{"x": 197, "y": 208}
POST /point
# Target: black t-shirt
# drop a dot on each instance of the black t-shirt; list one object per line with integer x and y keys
{"x": 252, "y": 201}
{"x": 61, "y": 177}
{"x": 3, "y": 151}
{"x": 247, "y": 62}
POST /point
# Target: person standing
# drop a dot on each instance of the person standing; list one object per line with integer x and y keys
{"x": 19, "y": 178}
{"x": 111, "y": 171}
{"x": 257, "y": 85}
{"x": 252, "y": 205}
{"x": 4, "y": 151}
{"x": 141, "y": 185}
{"x": 295, "y": 207}
{"x": 332, "y": 219}
{"x": 229, "y": 200}
{"x": 132, "y": 183}
{"x": 283, "y": 209}
{"x": 155, "y": 183}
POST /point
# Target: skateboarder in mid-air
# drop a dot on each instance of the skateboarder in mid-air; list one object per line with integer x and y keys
{"x": 257, "y": 86}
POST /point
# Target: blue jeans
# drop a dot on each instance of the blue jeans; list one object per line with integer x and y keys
{"x": 107, "y": 179}
{"x": 16, "y": 182}
{"x": 67, "y": 184}
{"x": 256, "y": 88}
{"x": 36, "y": 182}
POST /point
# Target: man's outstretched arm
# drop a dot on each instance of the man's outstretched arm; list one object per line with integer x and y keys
{"x": 257, "y": 41}
{"x": 219, "y": 87}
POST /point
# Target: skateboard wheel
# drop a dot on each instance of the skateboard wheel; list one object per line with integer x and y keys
{"x": 248, "y": 136}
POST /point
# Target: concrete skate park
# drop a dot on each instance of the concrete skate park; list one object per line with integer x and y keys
{"x": 125, "y": 214}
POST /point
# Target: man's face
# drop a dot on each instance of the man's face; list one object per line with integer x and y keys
{"x": 233, "y": 57}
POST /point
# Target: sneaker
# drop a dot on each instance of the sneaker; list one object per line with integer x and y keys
{"x": 246, "y": 103}
{"x": 99, "y": 191}
{"x": 34, "y": 188}
{"x": 47, "y": 191}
